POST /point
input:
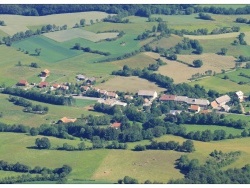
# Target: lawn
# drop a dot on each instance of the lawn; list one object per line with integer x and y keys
{"x": 13, "y": 114}
{"x": 212, "y": 128}
{"x": 84, "y": 103}
{"x": 221, "y": 85}
{"x": 51, "y": 51}
{"x": 13, "y": 148}
{"x": 128, "y": 84}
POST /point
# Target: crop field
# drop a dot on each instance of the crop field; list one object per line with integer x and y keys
{"x": 65, "y": 35}
{"x": 212, "y": 128}
{"x": 167, "y": 42}
{"x": 51, "y": 51}
{"x": 235, "y": 75}
{"x": 219, "y": 36}
{"x": 138, "y": 61}
{"x": 13, "y": 114}
{"x": 17, "y": 23}
{"x": 221, "y": 85}
{"x": 129, "y": 84}
{"x": 181, "y": 72}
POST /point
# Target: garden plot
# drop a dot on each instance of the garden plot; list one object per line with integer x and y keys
{"x": 66, "y": 35}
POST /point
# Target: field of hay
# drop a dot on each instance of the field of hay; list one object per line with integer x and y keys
{"x": 17, "y": 23}
{"x": 13, "y": 114}
{"x": 65, "y": 35}
{"x": 181, "y": 72}
{"x": 129, "y": 84}
{"x": 167, "y": 42}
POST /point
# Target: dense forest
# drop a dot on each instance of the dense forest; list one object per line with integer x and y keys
{"x": 132, "y": 9}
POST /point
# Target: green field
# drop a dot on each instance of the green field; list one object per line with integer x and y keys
{"x": 212, "y": 128}
{"x": 13, "y": 114}
{"x": 51, "y": 51}
{"x": 235, "y": 75}
{"x": 221, "y": 85}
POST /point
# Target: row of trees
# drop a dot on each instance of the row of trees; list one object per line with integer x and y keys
{"x": 41, "y": 97}
{"x": 77, "y": 46}
{"x": 29, "y": 107}
{"x": 187, "y": 146}
{"x": 242, "y": 20}
{"x": 205, "y": 16}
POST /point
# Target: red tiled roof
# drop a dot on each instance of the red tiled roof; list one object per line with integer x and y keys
{"x": 214, "y": 104}
{"x": 167, "y": 97}
{"x": 194, "y": 107}
{"x": 43, "y": 84}
{"x": 116, "y": 125}
{"x": 23, "y": 82}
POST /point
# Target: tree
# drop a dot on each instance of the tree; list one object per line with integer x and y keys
{"x": 43, "y": 143}
{"x": 33, "y": 64}
{"x": 19, "y": 63}
{"x": 91, "y": 22}
{"x": 82, "y": 22}
{"x": 197, "y": 63}
{"x": 188, "y": 146}
{"x": 34, "y": 131}
{"x": 129, "y": 180}
{"x": 223, "y": 51}
{"x": 81, "y": 146}
{"x": 199, "y": 49}
{"x": 38, "y": 51}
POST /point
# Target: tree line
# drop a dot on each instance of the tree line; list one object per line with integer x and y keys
{"x": 29, "y": 107}
{"x": 77, "y": 46}
{"x": 41, "y": 97}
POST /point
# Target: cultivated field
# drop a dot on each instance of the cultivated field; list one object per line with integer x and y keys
{"x": 13, "y": 114}
{"x": 65, "y": 35}
{"x": 182, "y": 73}
{"x": 219, "y": 36}
{"x": 17, "y": 23}
{"x": 129, "y": 84}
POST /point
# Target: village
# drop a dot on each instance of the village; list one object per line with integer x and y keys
{"x": 88, "y": 90}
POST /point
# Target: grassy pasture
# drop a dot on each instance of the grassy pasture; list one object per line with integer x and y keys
{"x": 51, "y": 51}
{"x": 84, "y": 163}
{"x": 138, "y": 61}
{"x": 235, "y": 75}
{"x": 65, "y": 35}
{"x": 129, "y": 84}
{"x": 212, "y": 128}
{"x": 221, "y": 85}
{"x": 167, "y": 42}
{"x": 17, "y": 23}
{"x": 13, "y": 114}
{"x": 182, "y": 72}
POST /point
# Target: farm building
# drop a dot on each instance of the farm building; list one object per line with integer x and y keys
{"x": 116, "y": 125}
{"x": 181, "y": 98}
{"x": 147, "y": 93}
{"x": 194, "y": 108}
{"x": 43, "y": 84}
{"x": 45, "y": 73}
{"x": 167, "y": 98}
{"x": 23, "y": 83}
{"x": 240, "y": 95}
{"x": 112, "y": 95}
{"x": 225, "y": 108}
{"x": 112, "y": 102}
{"x": 66, "y": 120}
{"x": 85, "y": 88}
{"x": 199, "y": 102}
{"x": 214, "y": 104}
{"x": 103, "y": 92}
{"x": 128, "y": 97}
{"x": 80, "y": 77}
{"x": 56, "y": 86}
{"x": 222, "y": 100}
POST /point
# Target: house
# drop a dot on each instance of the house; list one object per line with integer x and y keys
{"x": 200, "y": 102}
{"x": 112, "y": 95}
{"x": 63, "y": 87}
{"x": 194, "y": 108}
{"x": 80, "y": 77}
{"x": 167, "y": 97}
{"x": 225, "y": 108}
{"x": 85, "y": 88}
{"x": 66, "y": 120}
{"x": 90, "y": 80}
{"x": 102, "y": 92}
{"x": 240, "y": 95}
{"x": 45, "y": 73}
{"x": 56, "y": 86}
{"x": 214, "y": 104}
{"x": 22, "y": 83}
{"x": 181, "y": 98}
{"x": 205, "y": 111}
{"x": 175, "y": 112}
{"x": 43, "y": 84}
{"x": 147, "y": 93}
{"x": 128, "y": 97}
{"x": 222, "y": 100}
{"x": 116, "y": 125}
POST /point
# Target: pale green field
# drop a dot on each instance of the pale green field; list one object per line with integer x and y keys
{"x": 13, "y": 114}
{"x": 129, "y": 84}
